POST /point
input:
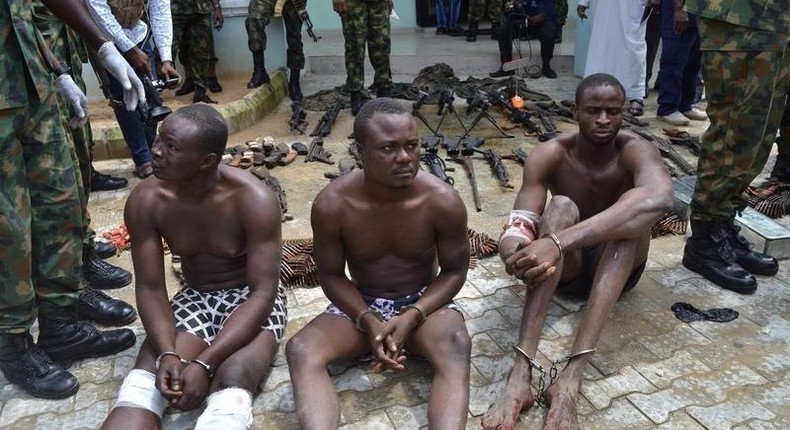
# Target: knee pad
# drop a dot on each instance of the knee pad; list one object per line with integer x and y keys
{"x": 139, "y": 391}
{"x": 228, "y": 409}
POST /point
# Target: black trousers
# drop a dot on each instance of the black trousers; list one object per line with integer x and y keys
{"x": 510, "y": 30}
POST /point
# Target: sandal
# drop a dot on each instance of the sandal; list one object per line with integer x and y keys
{"x": 143, "y": 171}
{"x": 636, "y": 107}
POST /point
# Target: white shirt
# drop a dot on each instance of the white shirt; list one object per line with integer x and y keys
{"x": 127, "y": 38}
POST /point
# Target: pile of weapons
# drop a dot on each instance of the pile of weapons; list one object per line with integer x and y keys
{"x": 460, "y": 150}
{"x": 298, "y": 122}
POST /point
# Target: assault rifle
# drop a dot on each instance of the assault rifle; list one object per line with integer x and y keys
{"x": 316, "y": 152}
{"x": 518, "y": 116}
{"x": 324, "y": 126}
{"x": 298, "y": 118}
{"x": 498, "y": 169}
{"x": 464, "y": 157}
{"x": 437, "y": 166}
{"x": 549, "y": 127}
{"x": 518, "y": 154}
{"x": 667, "y": 150}
{"x": 301, "y": 10}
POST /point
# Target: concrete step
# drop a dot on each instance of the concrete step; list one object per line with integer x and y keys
{"x": 766, "y": 234}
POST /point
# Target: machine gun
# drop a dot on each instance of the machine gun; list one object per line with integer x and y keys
{"x": 324, "y": 126}
{"x": 480, "y": 101}
{"x": 316, "y": 152}
{"x": 498, "y": 169}
{"x": 518, "y": 116}
{"x": 667, "y": 150}
{"x": 446, "y": 99}
{"x": 549, "y": 127}
{"x": 415, "y": 110}
{"x": 298, "y": 118}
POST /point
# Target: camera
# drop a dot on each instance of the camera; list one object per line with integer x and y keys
{"x": 153, "y": 111}
{"x": 516, "y": 11}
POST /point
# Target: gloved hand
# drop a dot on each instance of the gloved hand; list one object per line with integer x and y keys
{"x": 113, "y": 61}
{"x": 76, "y": 98}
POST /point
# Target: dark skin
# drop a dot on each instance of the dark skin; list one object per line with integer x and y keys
{"x": 398, "y": 229}
{"x": 609, "y": 188}
{"x": 225, "y": 225}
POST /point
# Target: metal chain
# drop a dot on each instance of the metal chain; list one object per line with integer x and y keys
{"x": 540, "y": 399}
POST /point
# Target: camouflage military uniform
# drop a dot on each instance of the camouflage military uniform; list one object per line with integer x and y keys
{"x": 69, "y": 47}
{"x": 260, "y": 14}
{"x": 40, "y": 219}
{"x": 560, "y": 12}
{"x": 481, "y": 9}
{"x": 192, "y": 23}
{"x": 746, "y": 69}
{"x": 367, "y": 21}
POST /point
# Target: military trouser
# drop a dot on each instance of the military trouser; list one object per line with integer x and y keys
{"x": 783, "y": 140}
{"x": 184, "y": 57}
{"x": 367, "y": 23}
{"x": 481, "y": 9}
{"x": 40, "y": 218}
{"x": 194, "y": 29}
{"x": 746, "y": 97}
{"x": 560, "y": 12}
{"x": 69, "y": 47}
{"x": 260, "y": 13}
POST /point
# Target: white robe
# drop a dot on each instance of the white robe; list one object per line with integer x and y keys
{"x": 617, "y": 43}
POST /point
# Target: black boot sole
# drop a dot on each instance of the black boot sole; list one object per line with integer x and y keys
{"x": 118, "y": 283}
{"x": 707, "y": 273}
{"x": 108, "y": 323}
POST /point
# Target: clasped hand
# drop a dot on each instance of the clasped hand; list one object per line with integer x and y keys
{"x": 387, "y": 341}
{"x": 533, "y": 261}
{"x": 183, "y": 385}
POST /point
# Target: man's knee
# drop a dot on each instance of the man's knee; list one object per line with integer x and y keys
{"x": 138, "y": 390}
{"x": 300, "y": 352}
{"x": 454, "y": 347}
{"x": 564, "y": 206}
{"x": 227, "y": 409}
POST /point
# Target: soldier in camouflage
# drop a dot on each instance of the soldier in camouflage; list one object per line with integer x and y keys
{"x": 92, "y": 304}
{"x": 40, "y": 217}
{"x": 482, "y": 9}
{"x": 560, "y": 18}
{"x": 260, "y": 13}
{"x": 746, "y": 68}
{"x": 184, "y": 56}
{"x": 366, "y": 22}
{"x": 192, "y": 23}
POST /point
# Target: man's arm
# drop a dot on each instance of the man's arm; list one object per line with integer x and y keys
{"x": 259, "y": 215}
{"x": 102, "y": 14}
{"x": 162, "y": 28}
{"x": 636, "y": 210}
{"x": 74, "y": 13}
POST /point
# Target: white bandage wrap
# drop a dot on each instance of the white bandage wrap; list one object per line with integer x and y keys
{"x": 521, "y": 224}
{"x": 228, "y": 409}
{"x": 139, "y": 391}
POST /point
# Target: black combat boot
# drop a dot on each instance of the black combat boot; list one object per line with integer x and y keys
{"x": 98, "y": 307}
{"x": 25, "y": 364}
{"x": 66, "y": 339}
{"x": 102, "y": 275}
{"x": 356, "y": 101}
{"x": 187, "y": 87}
{"x": 102, "y": 182}
{"x": 781, "y": 170}
{"x": 709, "y": 252}
{"x": 259, "y": 75}
{"x": 471, "y": 34}
{"x": 294, "y": 90}
{"x": 754, "y": 262}
{"x": 104, "y": 250}
{"x": 201, "y": 96}
{"x": 213, "y": 84}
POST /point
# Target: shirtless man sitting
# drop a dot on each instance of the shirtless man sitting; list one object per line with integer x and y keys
{"x": 608, "y": 189}
{"x": 219, "y": 333}
{"x": 402, "y": 233}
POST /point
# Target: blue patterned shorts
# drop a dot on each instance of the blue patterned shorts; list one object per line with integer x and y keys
{"x": 388, "y": 307}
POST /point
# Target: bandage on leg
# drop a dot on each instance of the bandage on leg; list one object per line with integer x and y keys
{"x": 139, "y": 391}
{"x": 228, "y": 409}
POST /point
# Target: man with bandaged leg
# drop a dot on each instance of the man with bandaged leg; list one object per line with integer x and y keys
{"x": 215, "y": 339}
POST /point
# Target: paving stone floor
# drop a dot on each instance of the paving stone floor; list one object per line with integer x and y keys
{"x": 651, "y": 371}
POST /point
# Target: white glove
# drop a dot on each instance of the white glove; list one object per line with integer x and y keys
{"x": 76, "y": 98}
{"x": 113, "y": 61}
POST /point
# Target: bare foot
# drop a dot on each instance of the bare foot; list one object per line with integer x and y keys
{"x": 562, "y": 408}
{"x": 517, "y": 397}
